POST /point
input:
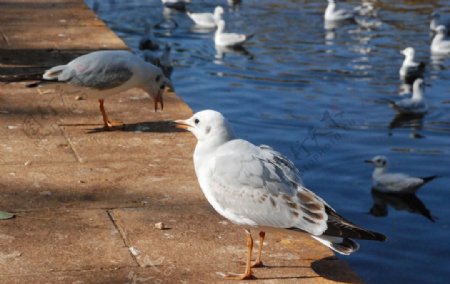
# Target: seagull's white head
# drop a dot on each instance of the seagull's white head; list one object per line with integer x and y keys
{"x": 208, "y": 126}
{"x": 218, "y": 12}
{"x": 441, "y": 29}
{"x": 408, "y": 52}
{"x": 378, "y": 161}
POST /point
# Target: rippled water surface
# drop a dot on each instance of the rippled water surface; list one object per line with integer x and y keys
{"x": 319, "y": 97}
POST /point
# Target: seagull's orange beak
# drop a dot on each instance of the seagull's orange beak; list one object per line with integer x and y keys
{"x": 182, "y": 124}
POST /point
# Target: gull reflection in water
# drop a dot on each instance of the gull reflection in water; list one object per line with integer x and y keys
{"x": 221, "y": 52}
{"x": 412, "y": 121}
{"x": 400, "y": 202}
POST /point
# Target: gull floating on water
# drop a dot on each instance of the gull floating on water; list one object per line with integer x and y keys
{"x": 440, "y": 44}
{"x": 164, "y": 61}
{"x": 437, "y": 20}
{"x": 148, "y": 40}
{"x": 410, "y": 70}
{"x": 108, "y": 72}
{"x": 394, "y": 182}
{"x": 228, "y": 39}
{"x": 207, "y": 20}
{"x": 257, "y": 187}
{"x": 414, "y": 105}
{"x": 332, "y": 13}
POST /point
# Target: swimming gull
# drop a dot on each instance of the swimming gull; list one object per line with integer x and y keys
{"x": 107, "y": 72}
{"x": 228, "y": 39}
{"x": 394, "y": 182}
{"x": 164, "y": 61}
{"x": 148, "y": 40}
{"x": 440, "y": 44}
{"x": 207, "y": 20}
{"x": 437, "y": 20}
{"x": 410, "y": 70}
{"x": 257, "y": 187}
{"x": 332, "y": 13}
{"x": 414, "y": 105}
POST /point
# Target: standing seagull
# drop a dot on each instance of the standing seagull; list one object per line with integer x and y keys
{"x": 108, "y": 72}
{"x": 410, "y": 70}
{"x": 440, "y": 44}
{"x": 207, "y": 20}
{"x": 414, "y": 105}
{"x": 394, "y": 183}
{"x": 228, "y": 39}
{"x": 257, "y": 187}
{"x": 333, "y": 14}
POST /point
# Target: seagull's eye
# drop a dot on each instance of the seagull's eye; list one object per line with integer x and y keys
{"x": 378, "y": 161}
{"x": 196, "y": 121}
{"x": 158, "y": 78}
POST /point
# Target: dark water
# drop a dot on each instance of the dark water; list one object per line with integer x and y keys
{"x": 318, "y": 97}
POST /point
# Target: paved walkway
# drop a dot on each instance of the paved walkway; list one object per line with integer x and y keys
{"x": 87, "y": 201}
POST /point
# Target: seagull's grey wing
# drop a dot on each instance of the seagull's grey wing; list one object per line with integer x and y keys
{"x": 282, "y": 162}
{"x": 253, "y": 188}
{"x": 98, "y": 70}
{"x": 398, "y": 183}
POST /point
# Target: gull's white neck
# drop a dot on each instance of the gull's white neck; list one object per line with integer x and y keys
{"x": 205, "y": 148}
{"x": 379, "y": 171}
{"x": 417, "y": 93}
{"x": 330, "y": 9}
{"x": 439, "y": 37}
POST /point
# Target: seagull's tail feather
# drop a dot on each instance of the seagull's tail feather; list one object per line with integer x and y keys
{"x": 247, "y": 37}
{"x": 53, "y": 73}
{"x": 428, "y": 179}
{"x": 344, "y": 246}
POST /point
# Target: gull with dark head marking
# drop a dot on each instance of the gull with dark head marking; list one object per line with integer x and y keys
{"x": 437, "y": 20}
{"x": 221, "y": 38}
{"x": 414, "y": 105}
{"x": 176, "y": 4}
{"x": 440, "y": 44}
{"x": 257, "y": 187}
{"x": 207, "y": 20}
{"x": 106, "y": 72}
{"x": 410, "y": 70}
{"x": 394, "y": 182}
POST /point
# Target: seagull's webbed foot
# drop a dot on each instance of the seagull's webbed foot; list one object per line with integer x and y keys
{"x": 248, "y": 274}
{"x": 108, "y": 124}
{"x": 258, "y": 262}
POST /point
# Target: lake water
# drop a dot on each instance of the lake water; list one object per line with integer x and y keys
{"x": 319, "y": 97}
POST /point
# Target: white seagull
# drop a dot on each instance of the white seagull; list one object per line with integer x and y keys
{"x": 228, "y": 39}
{"x": 440, "y": 44}
{"x": 108, "y": 72}
{"x": 207, "y": 20}
{"x": 437, "y": 20}
{"x": 257, "y": 187}
{"x": 334, "y": 14}
{"x": 394, "y": 182}
{"x": 414, "y": 105}
{"x": 410, "y": 70}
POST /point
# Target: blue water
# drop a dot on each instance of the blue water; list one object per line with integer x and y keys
{"x": 318, "y": 97}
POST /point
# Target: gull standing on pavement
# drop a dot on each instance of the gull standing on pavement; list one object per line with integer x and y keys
{"x": 394, "y": 182}
{"x": 107, "y": 72}
{"x": 257, "y": 187}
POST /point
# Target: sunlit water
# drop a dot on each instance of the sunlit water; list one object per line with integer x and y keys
{"x": 320, "y": 98}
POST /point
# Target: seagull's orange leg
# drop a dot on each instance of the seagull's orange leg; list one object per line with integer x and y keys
{"x": 248, "y": 267}
{"x": 108, "y": 123}
{"x": 258, "y": 262}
